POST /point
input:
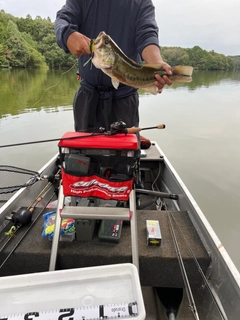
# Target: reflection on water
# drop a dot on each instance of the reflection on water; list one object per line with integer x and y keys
{"x": 201, "y": 139}
{"x": 209, "y": 78}
{"x": 24, "y": 90}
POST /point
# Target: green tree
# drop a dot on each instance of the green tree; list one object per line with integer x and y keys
{"x": 176, "y": 56}
{"x": 27, "y": 42}
{"x": 55, "y": 57}
{"x": 28, "y": 38}
{"x": 21, "y": 53}
{"x": 18, "y": 52}
{"x": 198, "y": 58}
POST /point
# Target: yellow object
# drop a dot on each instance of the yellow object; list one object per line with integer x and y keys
{"x": 11, "y": 231}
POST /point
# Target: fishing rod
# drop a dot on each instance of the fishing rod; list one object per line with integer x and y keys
{"x": 25, "y": 233}
{"x": 115, "y": 128}
{"x": 218, "y": 305}
{"x": 23, "y": 216}
{"x": 135, "y": 130}
{"x": 190, "y": 297}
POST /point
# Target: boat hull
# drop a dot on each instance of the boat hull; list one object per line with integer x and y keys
{"x": 215, "y": 285}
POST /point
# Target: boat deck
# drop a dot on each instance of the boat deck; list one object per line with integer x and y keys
{"x": 159, "y": 266}
{"x": 33, "y": 254}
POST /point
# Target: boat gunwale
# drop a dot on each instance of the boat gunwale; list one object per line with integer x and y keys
{"x": 219, "y": 256}
{"x": 204, "y": 221}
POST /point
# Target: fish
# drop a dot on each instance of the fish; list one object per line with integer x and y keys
{"x": 108, "y": 57}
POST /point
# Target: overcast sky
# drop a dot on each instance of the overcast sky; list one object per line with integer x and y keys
{"x": 210, "y": 24}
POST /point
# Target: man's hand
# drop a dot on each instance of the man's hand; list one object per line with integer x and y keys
{"x": 161, "y": 81}
{"x": 151, "y": 54}
{"x": 78, "y": 44}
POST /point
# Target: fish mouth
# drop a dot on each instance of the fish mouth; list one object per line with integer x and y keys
{"x": 102, "y": 40}
{"x": 100, "y": 36}
{"x": 107, "y": 68}
{"x": 103, "y": 57}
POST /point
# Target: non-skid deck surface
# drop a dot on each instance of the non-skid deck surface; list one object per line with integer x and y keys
{"x": 158, "y": 265}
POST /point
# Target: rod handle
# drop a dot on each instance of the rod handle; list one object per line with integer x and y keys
{"x": 135, "y": 130}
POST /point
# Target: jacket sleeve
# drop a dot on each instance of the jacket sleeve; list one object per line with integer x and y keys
{"x": 68, "y": 20}
{"x": 146, "y": 26}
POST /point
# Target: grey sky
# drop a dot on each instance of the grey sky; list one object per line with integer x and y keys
{"x": 210, "y": 24}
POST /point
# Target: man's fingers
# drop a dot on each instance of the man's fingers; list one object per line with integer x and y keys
{"x": 160, "y": 80}
{"x": 167, "y": 68}
{"x": 78, "y": 44}
{"x": 167, "y": 80}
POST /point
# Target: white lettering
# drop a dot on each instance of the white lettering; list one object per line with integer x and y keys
{"x": 96, "y": 183}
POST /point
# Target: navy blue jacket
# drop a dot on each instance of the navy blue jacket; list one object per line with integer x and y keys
{"x": 130, "y": 23}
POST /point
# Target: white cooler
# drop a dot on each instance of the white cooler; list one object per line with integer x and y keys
{"x": 111, "y": 291}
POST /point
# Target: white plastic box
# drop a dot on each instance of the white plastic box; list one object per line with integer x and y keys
{"x": 76, "y": 288}
{"x": 67, "y": 237}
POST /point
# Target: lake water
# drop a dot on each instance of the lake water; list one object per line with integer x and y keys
{"x": 201, "y": 139}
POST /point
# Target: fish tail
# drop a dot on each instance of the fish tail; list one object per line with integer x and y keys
{"x": 182, "y": 71}
{"x": 180, "y": 78}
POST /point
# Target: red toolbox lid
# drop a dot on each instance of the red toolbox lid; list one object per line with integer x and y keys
{"x": 117, "y": 141}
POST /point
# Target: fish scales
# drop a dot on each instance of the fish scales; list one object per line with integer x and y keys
{"x": 137, "y": 76}
{"x": 108, "y": 57}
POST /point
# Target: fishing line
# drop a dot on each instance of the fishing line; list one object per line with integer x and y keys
{"x": 55, "y": 85}
{"x": 88, "y": 62}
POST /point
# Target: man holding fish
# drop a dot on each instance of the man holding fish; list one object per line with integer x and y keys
{"x": 88, "y": 27}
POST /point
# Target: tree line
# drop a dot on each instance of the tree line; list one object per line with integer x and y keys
{"x": 31, "y": 43}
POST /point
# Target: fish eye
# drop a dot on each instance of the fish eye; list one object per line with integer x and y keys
{"x": 106, "y": 41}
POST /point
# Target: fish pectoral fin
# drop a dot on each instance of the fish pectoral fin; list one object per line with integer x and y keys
{"x": 151, "y": 89}
{"x": 115, "y": 83}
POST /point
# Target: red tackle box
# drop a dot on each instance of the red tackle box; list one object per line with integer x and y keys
{"x": 98, "y": 165}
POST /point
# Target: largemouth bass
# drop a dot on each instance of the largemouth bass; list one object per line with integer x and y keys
{"x": 108, "y": 57}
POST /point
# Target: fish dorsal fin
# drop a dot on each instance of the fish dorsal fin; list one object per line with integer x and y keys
{"x": 157, "y": 66}
{"x": 115, "y": 83}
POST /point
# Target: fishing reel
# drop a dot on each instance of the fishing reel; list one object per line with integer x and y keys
{"x": 118, "y": 127}
{"x": 20, "y": 217}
